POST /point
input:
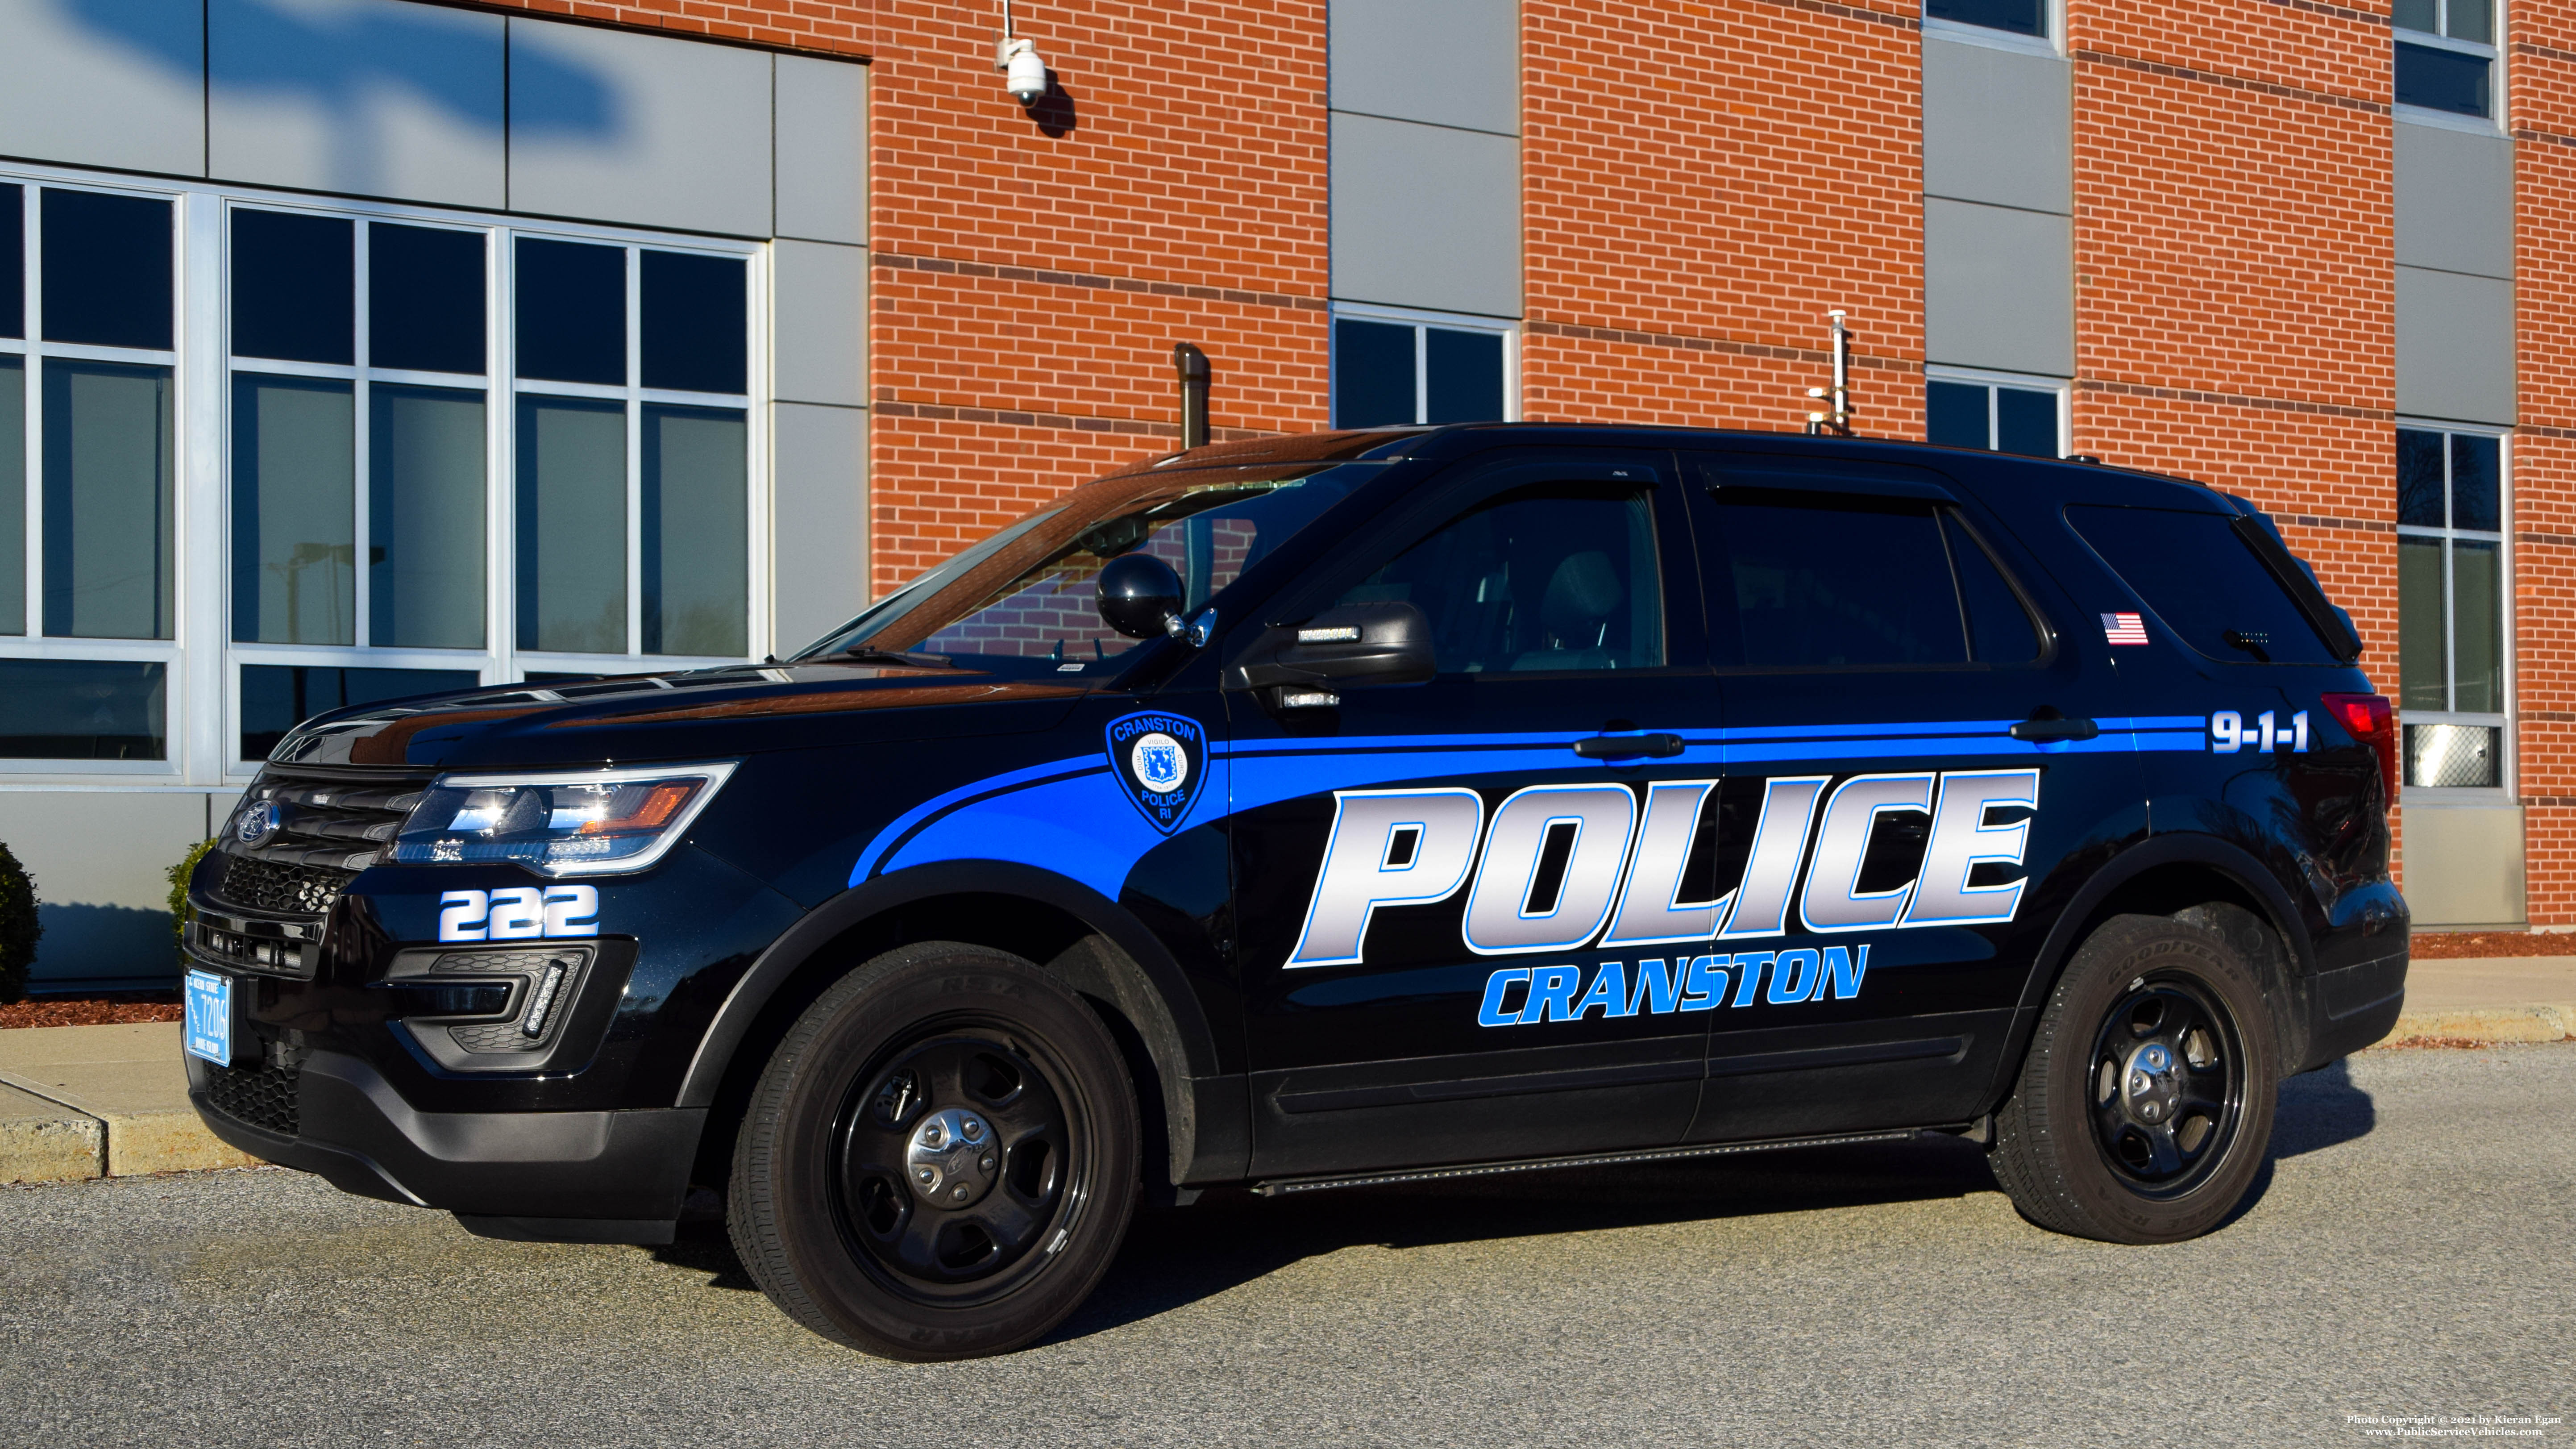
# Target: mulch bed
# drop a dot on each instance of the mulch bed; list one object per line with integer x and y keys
{"x": 112, "y": 1008}
{"x": 2452, "y": 945}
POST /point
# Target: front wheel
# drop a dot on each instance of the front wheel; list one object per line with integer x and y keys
{"x": 940, "y": 1159}
{"x": 2144, "y": 1109}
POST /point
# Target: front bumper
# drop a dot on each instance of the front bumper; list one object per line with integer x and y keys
{"x": 615, "y": 1176}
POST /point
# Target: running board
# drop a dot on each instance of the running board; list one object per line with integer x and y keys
{"x": 1285, "y": 1186}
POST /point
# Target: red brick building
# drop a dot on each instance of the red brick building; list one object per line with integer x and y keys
{"x": 2295, "y": 249}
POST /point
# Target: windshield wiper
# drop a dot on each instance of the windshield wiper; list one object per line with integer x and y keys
{"x": 864, "y": 655}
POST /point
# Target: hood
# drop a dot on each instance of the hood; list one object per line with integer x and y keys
{"x": 692, "y": 714}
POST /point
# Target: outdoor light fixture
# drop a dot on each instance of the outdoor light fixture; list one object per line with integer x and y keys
{"x": 1023, "y": 72}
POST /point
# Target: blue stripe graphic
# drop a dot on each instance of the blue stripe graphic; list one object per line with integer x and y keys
{"x": 1069, "y": 815}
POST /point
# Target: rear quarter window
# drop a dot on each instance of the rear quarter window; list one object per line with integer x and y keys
{"x": 2203, "y": 582}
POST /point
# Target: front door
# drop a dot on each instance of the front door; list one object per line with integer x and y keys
{"x": 1453, "y": 896}
{"x": 1926, "y": 753}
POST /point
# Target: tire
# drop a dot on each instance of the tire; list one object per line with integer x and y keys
{"x": 2105, "y": 1138}
{"x": 940, "y": 1160}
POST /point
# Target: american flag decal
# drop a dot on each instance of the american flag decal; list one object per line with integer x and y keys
{"x": 2124, "y": 628}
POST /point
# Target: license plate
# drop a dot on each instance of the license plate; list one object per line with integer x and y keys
{"x": 209, "y": 1025}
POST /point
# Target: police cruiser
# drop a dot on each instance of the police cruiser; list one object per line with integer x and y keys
{"x": 1353, "y": 808}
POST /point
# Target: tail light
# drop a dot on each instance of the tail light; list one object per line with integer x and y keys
{"x": 2368, "y": 718}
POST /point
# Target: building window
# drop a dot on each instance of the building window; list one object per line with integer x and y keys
{"x": 436, "y": 452}
{"x": 1393, "y": 368}
{"x": 2017, "y": 17}
{"x": 2451, "y": 570}
{"x": 2446, "y": 56}
{"x": 88, "y": 481}
{"x": 623, "y": 391}
{"x": 2002, "y": 415}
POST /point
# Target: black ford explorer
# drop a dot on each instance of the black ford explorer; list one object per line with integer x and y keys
{"x": 1360, "y": 807}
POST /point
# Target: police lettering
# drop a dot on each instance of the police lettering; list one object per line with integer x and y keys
{"x": 1528, "y": 995}
{"x": 1622, "y": 883}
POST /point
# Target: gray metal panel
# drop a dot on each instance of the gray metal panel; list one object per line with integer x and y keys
{"x": 2454, "y": 201}
{"x": 1996, "y": 126}
{"x": 367, "y": 97}
{"x": 2455, "y": 345}
{"x": 1425, "y": 216}
{"x": 819, "y": 522}
{"x": 1448, "y": 62}
{"x": 120, "y": 84}
{"x": 822, "y": 149}
{"x": 609, "y": 125}
{"x": 819, "y": 325}
{"x": 1998, "y": 288}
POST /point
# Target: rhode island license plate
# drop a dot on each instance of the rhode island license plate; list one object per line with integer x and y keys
{"x": 209, "y": 1025}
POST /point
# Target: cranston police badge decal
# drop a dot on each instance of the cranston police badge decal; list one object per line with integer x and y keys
{"x": 1161, "y": 761}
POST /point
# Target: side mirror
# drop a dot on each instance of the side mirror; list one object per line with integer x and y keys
{"x": 1304, "y": 665}
{"x": 1140, "y": 596}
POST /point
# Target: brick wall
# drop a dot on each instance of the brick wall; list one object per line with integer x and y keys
{"x": 2234, "y": 245}
{"x": 1700, "y": 184}
{"x": 2541, "y": 96}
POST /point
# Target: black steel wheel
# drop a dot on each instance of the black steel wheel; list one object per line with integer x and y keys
{"x": 940, "y": 1159}
{"x": 2144, "y": 1108}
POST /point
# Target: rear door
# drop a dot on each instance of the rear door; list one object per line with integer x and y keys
{"x": 1926, "y": 751}
{"x": 1438, "y": 959}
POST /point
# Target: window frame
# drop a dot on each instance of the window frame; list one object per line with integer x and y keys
{"x": 32, "y": 351}
{"x": 1418, "y": 319}
{"x": 2506, "y": 722}
{"x": 202, "y": 698}
{"x": 1988, "y": 378}
{"x": 2493, "y": 53}
{"x": 2052, "y": 45}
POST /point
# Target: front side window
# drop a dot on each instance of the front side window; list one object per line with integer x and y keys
{"x": 1540, "y": 580}
{"x": 1392, "y": 370}
{"x": 2450, "y": 607}
{"x": 2446, "y": 55}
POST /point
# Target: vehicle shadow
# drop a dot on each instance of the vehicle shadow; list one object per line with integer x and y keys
{"x": 1182, "y": 1256}
{"x": 2319, "y": 1110}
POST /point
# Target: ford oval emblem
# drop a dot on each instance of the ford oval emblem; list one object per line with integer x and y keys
{"x": 258, "y": 824}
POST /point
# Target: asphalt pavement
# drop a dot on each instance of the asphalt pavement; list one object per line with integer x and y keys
{"x": 2408, "y": 1255}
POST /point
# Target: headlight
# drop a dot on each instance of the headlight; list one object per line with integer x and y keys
{"x": 575, "y": 822}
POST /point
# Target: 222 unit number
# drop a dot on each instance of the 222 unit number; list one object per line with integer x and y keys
{"x": 519, "y": 913}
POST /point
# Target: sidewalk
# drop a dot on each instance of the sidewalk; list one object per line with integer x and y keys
{"x": 100, "y": 1101}
{"x": 111, "y": 1101}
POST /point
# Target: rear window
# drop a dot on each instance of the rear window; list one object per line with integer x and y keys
{"x": 2203, "y": 582}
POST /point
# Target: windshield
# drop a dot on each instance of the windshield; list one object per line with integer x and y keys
{"x": 1025, "y": 601}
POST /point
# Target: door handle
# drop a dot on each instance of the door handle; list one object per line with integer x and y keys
{"x": 2049, "y": 726}
{"x": 1629, "y": 747}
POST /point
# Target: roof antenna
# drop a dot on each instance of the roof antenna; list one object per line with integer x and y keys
{"x": 1837, "y": 420}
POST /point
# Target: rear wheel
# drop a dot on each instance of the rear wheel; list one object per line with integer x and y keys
{"x": 940, "y": 1159}
{"x": 2144, "y": 1108}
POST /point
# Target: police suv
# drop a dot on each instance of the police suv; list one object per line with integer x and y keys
{"x": 1355, "y": 808}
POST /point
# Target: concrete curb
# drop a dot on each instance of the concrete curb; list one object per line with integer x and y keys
{"x": 100, "y": 1101}
{"x": 2485, "y": 1025}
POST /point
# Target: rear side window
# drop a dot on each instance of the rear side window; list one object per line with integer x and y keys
{"x": 1823, "y": 581}
{"x": 2203, "y": 581}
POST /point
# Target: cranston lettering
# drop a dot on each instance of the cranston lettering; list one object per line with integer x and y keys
{"x": 1624, "y": 860}
{"x": 1529, "y": 995}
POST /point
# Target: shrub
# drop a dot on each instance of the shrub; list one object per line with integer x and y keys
{"x": 180, "y": 914}
{"x": 19, "y": 927}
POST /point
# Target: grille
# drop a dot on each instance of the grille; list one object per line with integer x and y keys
{"x": 342, "y": 824}
{"x": 262, "y": 1096}
{"x": 279, "y": 888}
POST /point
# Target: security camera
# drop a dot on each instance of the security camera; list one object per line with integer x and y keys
{"x": 1025, "y": 75}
